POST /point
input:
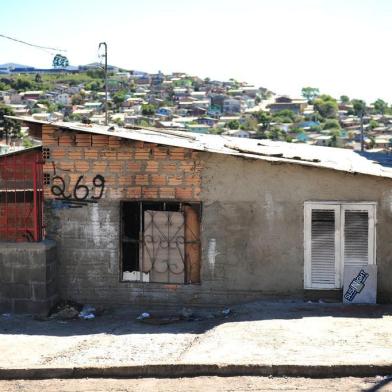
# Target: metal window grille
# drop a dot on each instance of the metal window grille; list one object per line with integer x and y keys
{"x": 21, "y": 197}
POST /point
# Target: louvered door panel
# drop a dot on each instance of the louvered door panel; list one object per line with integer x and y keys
{"x": 356, "y": 238}
{"x": 323, "y": 248}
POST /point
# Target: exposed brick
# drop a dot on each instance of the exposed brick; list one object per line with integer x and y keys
{"x": 167, "y": 193}
{"x": 100, "y": 167}
{"x": 64, "y": 165}
{"x": 187, "y": 167}
{"x": 90, "y": 153}
{"x": 109, "y": 155}
{"x": 160, "y": 153}
{"x": 66, "y": 139}
{"x": 169, "y": 167}
{"x": 175, "y": 180}
{"x": 75, "y": 154}
{"x": 114, "y": 142}
{"x": 192, "y": 180}
{"x": 149, "y": 192}
{"x": 184, "y": 193}
{"x": 134, "y": 166}
{"x": 158, "y": 179}
{"x": 57, "y": 154}
{"x": 116, "y": 167}
{"x": 83, "y": 139}
{"x": 152, "y": 166}
{"x": 124, "y": 155}
{"x": 100, "y": 140}
{"x": 134, "y": 192}
{"x": 142, "y": 179}
{"x": 177, "y": 153}
{"x": 82, "y": 166}
{"x": 125, "y": 180}
{"x": 142, "y": 153}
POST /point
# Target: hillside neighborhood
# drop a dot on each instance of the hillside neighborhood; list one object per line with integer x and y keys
{"x": 179, "y": 101}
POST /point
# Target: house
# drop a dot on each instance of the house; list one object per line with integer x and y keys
{"x": 149, "y": 217}
{"x": 231, "y": 106}
{"x": 63, "y": 99}
{"x": 285, "y": 103}
{"x": 238, "y": 133}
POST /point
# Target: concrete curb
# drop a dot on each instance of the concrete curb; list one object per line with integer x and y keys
{"x": 195, "y": 370}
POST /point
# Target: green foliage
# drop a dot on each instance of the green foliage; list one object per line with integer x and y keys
{"x": 250, "y": 124}
{"x": 233, "y": 124}
{"x": 284, "y": 116}
{"x": 344, "y": 99}
{"x": 380, "y": 106}
{"x": 263, "y": 118}
{"x": 359, "y": 107}
{"x": 4, "y": 86}
{"x": 10, "y": 127}
{"x": 119, "y": 97}
{"x": 310, "y": 93}
{"x": 326, "y": 106}
{"x": 27, "y": 143}
{"x": 77, "y": 99}
{"x": 373, "y": 124}
{"x": 96, "y": 73}
{"x": 38, "y": 78}
{"x": 148, "y": 109}
{"x": 331, "y": 124}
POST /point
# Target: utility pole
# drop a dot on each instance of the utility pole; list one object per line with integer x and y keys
{"x": 362, "y": 135}
{"x": 106, "y": 80}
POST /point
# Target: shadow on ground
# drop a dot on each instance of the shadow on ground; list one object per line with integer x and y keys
{"x": 123, "y": 320}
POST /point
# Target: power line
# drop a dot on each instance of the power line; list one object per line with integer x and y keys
{"x": 33, "y": 45}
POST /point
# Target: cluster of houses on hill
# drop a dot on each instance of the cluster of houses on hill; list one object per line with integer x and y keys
{"x": 182, "y": 102}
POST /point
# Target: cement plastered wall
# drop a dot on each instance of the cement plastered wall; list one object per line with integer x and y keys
{"x": 254, "y": 211}
{"x": 252, "y": 235}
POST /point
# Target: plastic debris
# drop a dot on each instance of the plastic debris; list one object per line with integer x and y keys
{"x": 143, "y": 316}
{"x": 6, "y": 315}
{"x": 87, "y": 312}
{"x": 226, "y": 311}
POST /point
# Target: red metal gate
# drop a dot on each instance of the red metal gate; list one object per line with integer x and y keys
{"x": 21, "y": 197}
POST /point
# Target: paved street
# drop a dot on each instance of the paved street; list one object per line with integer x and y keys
{"x": 205, "y": 384}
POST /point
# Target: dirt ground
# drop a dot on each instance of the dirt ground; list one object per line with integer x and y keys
{"x": 205, "y": 384}
{"x": 260, "y": 332}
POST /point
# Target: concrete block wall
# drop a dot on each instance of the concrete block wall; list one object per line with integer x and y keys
{"x": 28, "y": 277}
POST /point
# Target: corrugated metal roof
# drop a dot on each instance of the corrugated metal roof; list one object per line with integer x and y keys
{"x": 273, "y": 151}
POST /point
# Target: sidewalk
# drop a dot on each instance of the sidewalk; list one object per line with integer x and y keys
{"x": 260, "y": 337}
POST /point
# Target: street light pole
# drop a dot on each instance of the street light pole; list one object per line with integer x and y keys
{"x": 106, "y": 80}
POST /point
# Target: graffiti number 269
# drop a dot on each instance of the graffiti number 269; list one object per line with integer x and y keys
{"x": 80, "y": 191}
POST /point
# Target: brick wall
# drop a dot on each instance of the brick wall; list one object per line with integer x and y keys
{"x": 131, "y": 169}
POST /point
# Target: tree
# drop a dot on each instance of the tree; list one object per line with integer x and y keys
{"x": 11, "y": 128}
{"x": 38, "y": 78}
{"x": 310, "y": 93}
{"x": 118, "y": 98}
{"x": 77, "y": 99}
{"x": 380, "y": 106}
{"x": 148, "y": 109}
{"x": 233, "y": 124}
{"x": 60, "y": 61}
{"x": 373, "y": 124}
{"x": 331, "y": 124}
{"x": 264, "y": 119}
{"x": 359, "y": 107}
{"x": 344, "y": 99}
{"x": 326, "y": 106}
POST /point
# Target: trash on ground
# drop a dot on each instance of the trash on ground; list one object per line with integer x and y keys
{"x": 65, "y": 310}
{"x": 87, "y": 312}
{"x": 6, "y": 315}
{"x": 144, "y": 316}
{"x": 187, "y": 313}
{"x": 226, "y": 311}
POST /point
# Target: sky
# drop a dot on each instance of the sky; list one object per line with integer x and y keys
{"x": 338, "y": 46}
